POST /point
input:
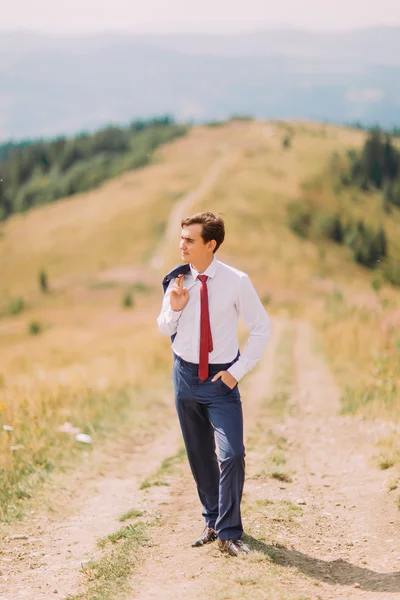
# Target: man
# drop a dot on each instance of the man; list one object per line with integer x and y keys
{"x": 203, "y": 300}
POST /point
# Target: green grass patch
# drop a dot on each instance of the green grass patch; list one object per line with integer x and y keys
{"x": 246, "y": 581}
{"x": 128, "y": 300}
{"x": 386, "y": 463}
{"x": 130, "y": 514}
{"x": 282, "y": 511}
{"x": 278, "y": 458}
{"x": 35, "y": 328}
{"x": 107, "y": 578}
{"x": 14, "y": 307}
{"x": 389, "y": 455}
{"x": 281, "y": 476}
{"x": 128, "y": 531}
{"x": 167, "y": 467}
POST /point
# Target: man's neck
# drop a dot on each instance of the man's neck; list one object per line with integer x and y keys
{"x": 200, "y": 268}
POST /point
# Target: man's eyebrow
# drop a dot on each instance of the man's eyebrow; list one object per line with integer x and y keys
{"x": 188, "y": 239}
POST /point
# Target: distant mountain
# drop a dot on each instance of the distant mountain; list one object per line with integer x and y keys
{"x": 52, "y": 85}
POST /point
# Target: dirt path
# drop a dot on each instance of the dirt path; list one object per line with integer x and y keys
{"x": 46, "y": 554}
{"x": 349, "y": 529}
{"x": 183, "y": 207}
{"x": 330, "y": 532}
{"x": 342, "y": 543}
{"x": 172, "y": 569}
{"x": 43, "y": 557}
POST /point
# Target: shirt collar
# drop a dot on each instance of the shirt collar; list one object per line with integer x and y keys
{"x": 210, "y": 271}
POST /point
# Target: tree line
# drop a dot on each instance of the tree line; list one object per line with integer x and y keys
{"x": 375, "y": 168}
{"x": 34, "y": 172}
{"x": 368, "y": 245}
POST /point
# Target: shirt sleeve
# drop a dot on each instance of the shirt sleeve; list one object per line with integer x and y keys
{"x": 258, "y": 324}
{"x": 168, "y": 319}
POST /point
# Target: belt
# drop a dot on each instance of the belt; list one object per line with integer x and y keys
{"x": 211, "y": 366}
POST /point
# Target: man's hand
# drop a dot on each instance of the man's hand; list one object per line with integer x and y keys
{"x": 179, "y": 295}
{"x": 227, "y": 378}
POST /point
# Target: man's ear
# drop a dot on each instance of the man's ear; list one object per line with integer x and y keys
{"x": 212, "y": 244}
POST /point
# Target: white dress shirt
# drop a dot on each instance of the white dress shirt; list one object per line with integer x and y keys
{"x": 230, "y": 294}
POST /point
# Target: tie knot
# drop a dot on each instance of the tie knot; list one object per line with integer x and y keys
{"x": 203, "y": 278}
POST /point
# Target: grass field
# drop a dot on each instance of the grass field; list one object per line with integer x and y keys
{"x": 77, "y": 354}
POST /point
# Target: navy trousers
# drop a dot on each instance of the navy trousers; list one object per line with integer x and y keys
{"x": 204, "y": 409}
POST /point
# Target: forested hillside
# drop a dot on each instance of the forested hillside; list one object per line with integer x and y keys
{"x": 41, "y": 171}
{"x": 359, "y": 205}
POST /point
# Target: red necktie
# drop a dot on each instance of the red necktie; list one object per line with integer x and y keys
{"x": 206, "y": 343}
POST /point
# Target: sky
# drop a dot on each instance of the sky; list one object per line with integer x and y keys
{"x": 88, "y": 16}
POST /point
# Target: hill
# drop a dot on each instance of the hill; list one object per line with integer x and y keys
{"x": 85, "y": 355}
{"x": 53, "y": 86}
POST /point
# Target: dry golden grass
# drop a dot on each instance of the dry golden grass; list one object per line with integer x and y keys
{"x": 117, "y": 223}
{"x": 315, "y": 280}
{"x": 96, "y": 246}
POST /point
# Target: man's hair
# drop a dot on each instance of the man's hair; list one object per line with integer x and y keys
{"x": 213, "y": 227}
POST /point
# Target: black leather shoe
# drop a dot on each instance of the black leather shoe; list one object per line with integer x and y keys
{"x": 208, "y": 535}
{"x": 233, "y": 547}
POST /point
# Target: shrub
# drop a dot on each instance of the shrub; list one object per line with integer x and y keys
{"x": 35, "y": 328}
{"x": 330, "y": 226}
{"x": 286, "y": 142}
{"x": 15, "y": 307}
{"x": 381, "y": 242}
{"x": 376, "y": 284}
{"x": 128, "y": 301}
{"x": 299, "y": 219}
{"x": 368, "y": 246}
{"x": 43, "y": 281}
{"x": 377, "y": 166}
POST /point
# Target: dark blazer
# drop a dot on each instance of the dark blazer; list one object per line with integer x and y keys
{"x": 179, "y": 270}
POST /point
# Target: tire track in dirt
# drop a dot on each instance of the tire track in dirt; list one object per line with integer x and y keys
{"x": 347, "y": 540}
{"x": 343, "y": 545}
{"x": 49, "y": 554}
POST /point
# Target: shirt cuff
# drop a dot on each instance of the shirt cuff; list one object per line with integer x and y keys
{"x": 237, "y": 370}
{"x": 173, "y": 315}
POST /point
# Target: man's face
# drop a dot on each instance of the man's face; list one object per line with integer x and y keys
{"x": 192, "y": 246}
